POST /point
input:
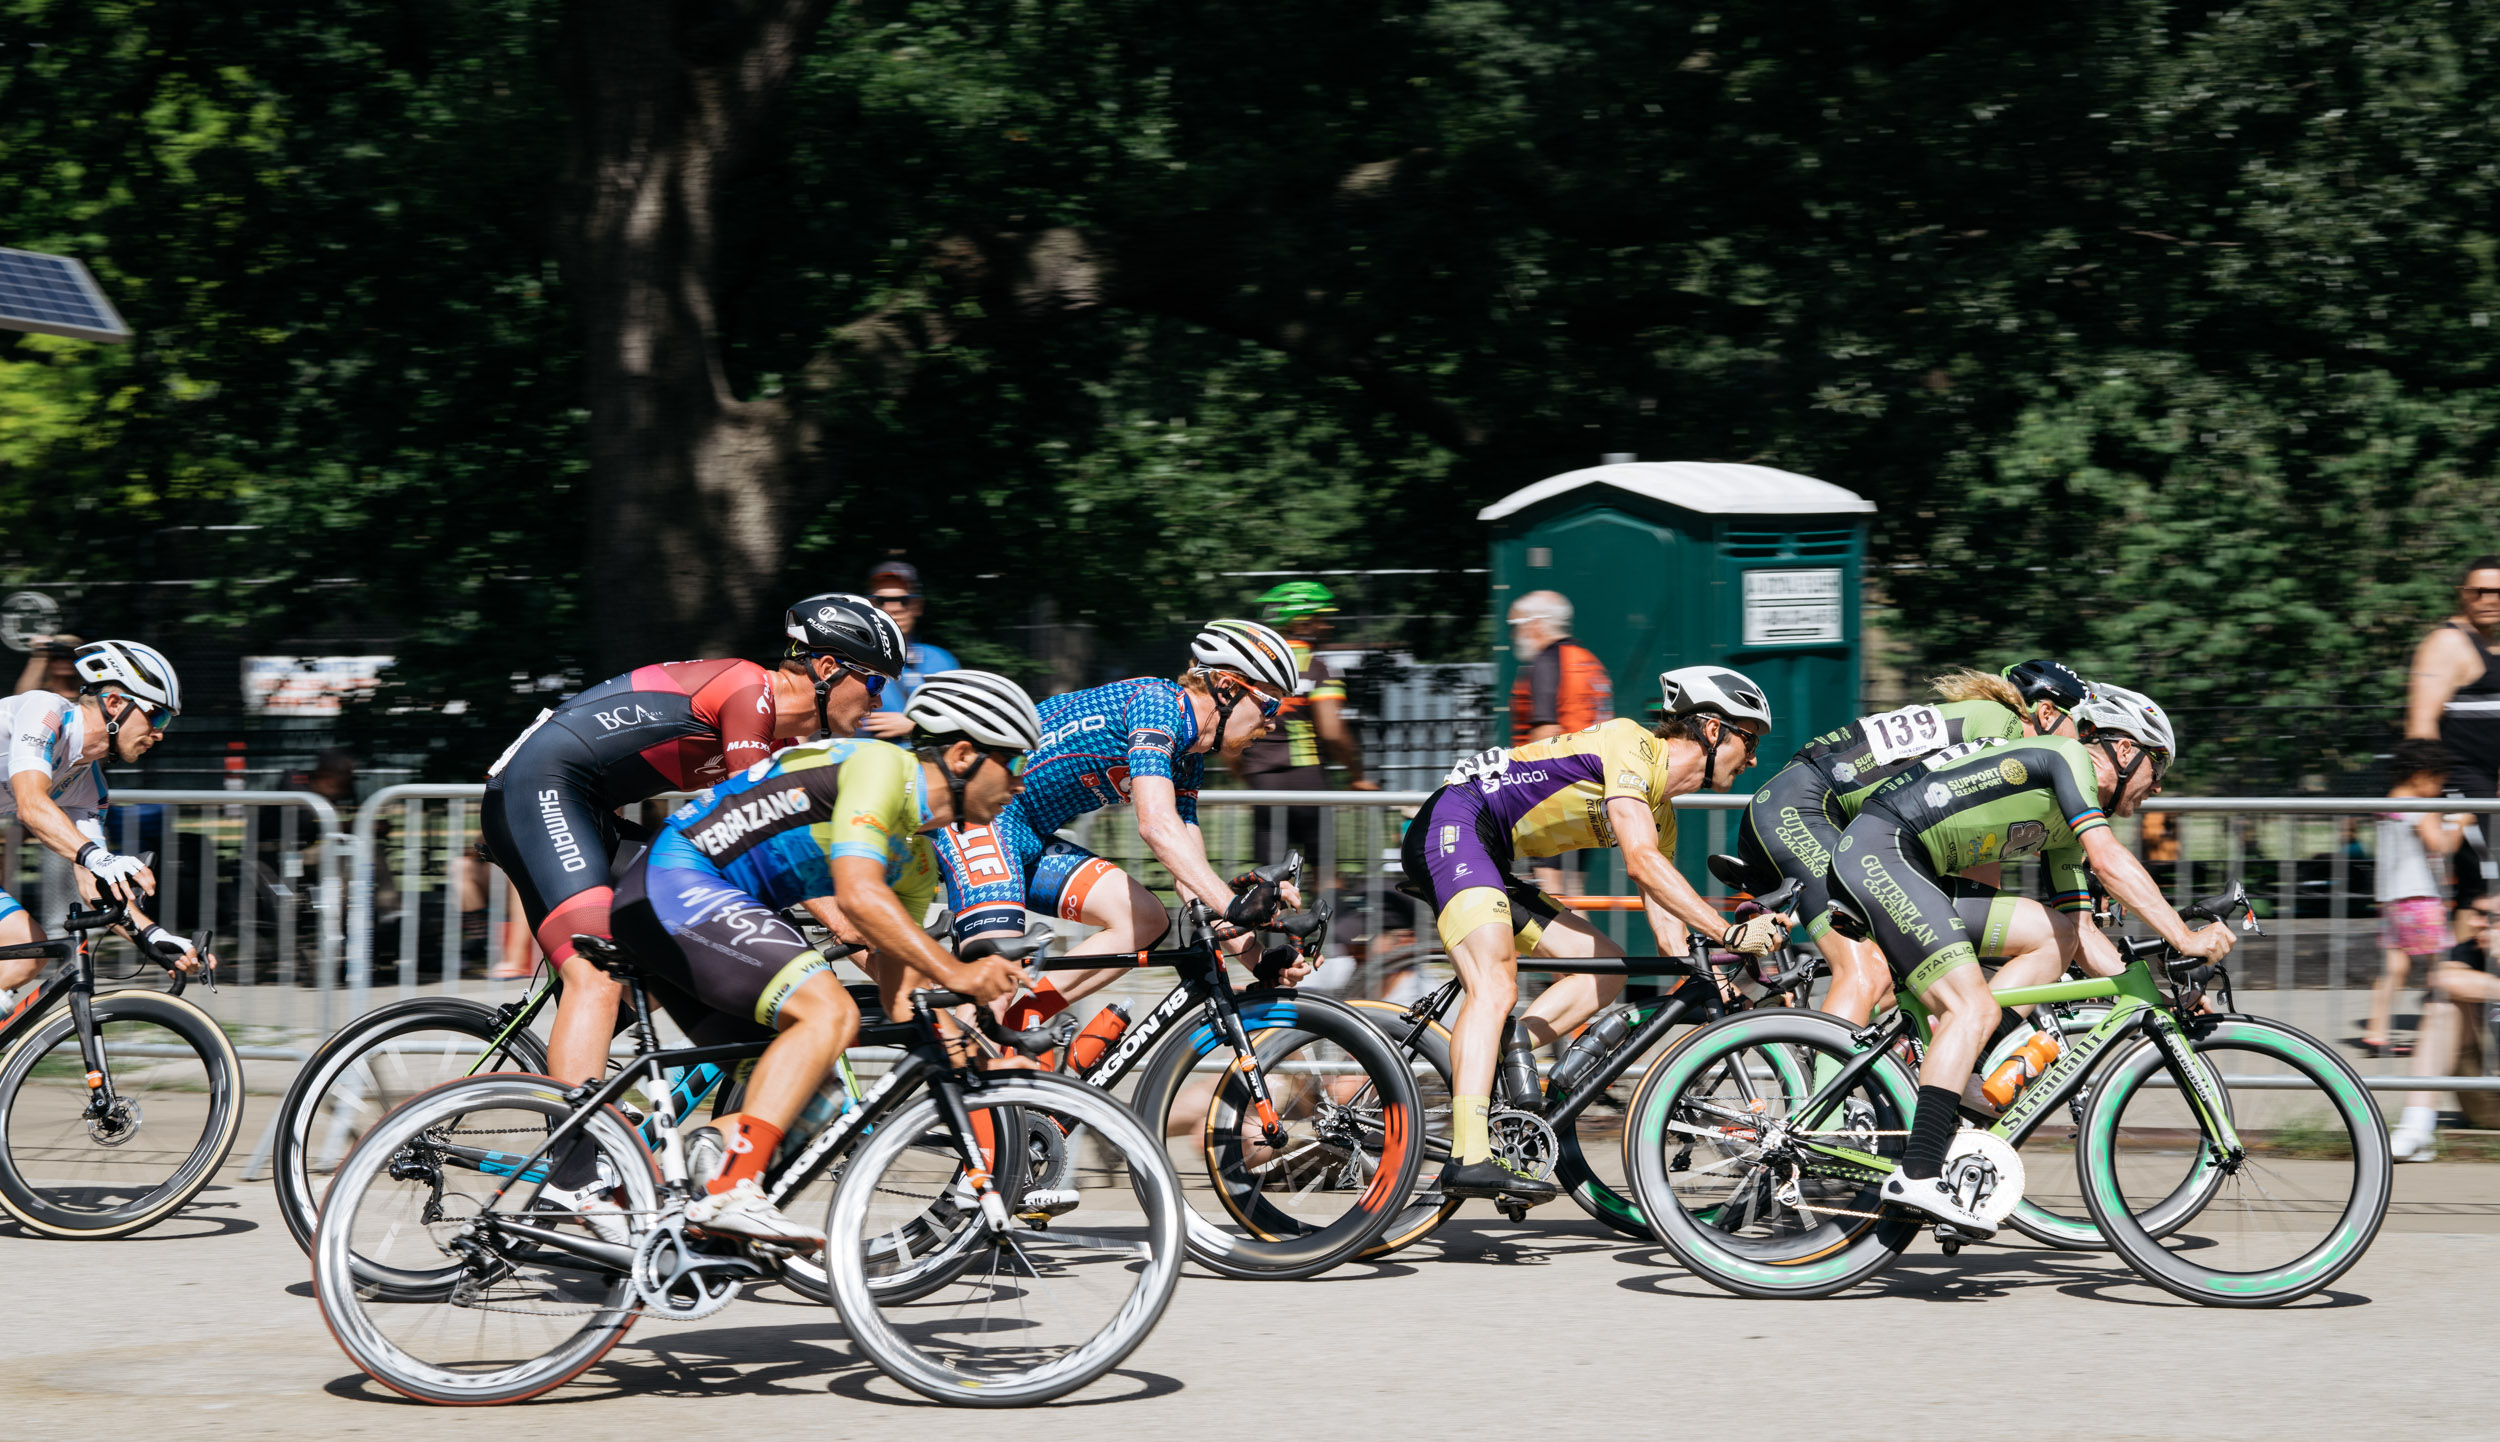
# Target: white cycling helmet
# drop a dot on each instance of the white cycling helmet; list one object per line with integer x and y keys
{"x": 1713, "y": 691}
{"x": 978, "y": 706}
{"x": 2117, "y": 711}
{"x": 1259, "y": 653}
{"x": 133, "y": 667}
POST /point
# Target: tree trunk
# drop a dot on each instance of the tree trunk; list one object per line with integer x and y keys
{"x": 688, "y": 482}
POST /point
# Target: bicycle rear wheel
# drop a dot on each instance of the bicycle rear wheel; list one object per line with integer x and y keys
{"x": 436, "y": 1306}
{"x": 71, "y": 1167}
{"x": 1346, "y": 1101}
{"x": 367, "y": 1068}
{"x": 2290, "y": 1214}
{"x": 1041, "y": 1309}
{"x": 1729, "y": 1192}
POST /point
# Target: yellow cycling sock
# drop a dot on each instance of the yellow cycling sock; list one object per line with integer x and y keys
{"x": 1469, "y": 1140}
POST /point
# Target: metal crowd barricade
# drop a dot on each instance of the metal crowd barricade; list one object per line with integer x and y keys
{"x": 421, "y": 834}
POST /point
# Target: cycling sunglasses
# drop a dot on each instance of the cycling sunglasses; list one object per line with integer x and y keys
{"x": 1012, "y": 761}
{"x": 873, "y": 680}
{"x": 1268, "y": 705}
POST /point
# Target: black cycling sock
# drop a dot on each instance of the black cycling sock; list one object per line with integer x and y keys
{"x": 1932, "y": 1133}
{"x": 577, "y": 1166}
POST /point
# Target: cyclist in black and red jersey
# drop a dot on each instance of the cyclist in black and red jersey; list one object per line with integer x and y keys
{"x": 549, "y": 817}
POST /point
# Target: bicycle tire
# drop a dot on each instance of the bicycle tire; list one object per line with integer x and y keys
{"x": 934, "y": 1249}
{"x": 1833, "y": 1255}
{"x": 1280, "y": 1246}
{"x": 1426, "y": 1208}
{"x": 33, "y": 1151}
{"x": 296, "y": 1156}
{"x": 915, "y": 1354}
{"x": 2353, "y": 1127}
{"x": 355, "y": 1311}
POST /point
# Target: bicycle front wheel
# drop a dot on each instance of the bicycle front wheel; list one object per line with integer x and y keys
{"x": 73, "y": 1164}
{"x": 1042, "y": 1307}
{"x": 1344, "y": 1158}
{"x": 1717, "y": 1167}
{"x": 2293, "y": 1209}
{"x": 367, "y": 1068}
{"x": 427, "y": 1293}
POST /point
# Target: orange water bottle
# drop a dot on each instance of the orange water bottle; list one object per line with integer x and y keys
{"x": 2020, "y": 1070}
{"x": 1090, "y": 1044}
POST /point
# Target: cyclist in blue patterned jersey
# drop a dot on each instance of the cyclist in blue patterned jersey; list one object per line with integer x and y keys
{"x": 1144, "y": 742}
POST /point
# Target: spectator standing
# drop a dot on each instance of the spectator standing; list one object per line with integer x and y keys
{"x": 895, "y": 587}
{"x": 50, "y": 666}
{"x": 2454, "y": 697}
{"x": 1309, "y": 730}
{"x": 2413, "y": 919}
{"x": 1560, "y": 686}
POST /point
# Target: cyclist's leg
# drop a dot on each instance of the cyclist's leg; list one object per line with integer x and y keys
{"x": 545, "y": 827}
{"x": 1913, "y": 919}
{"x": 1793, "y": 825}
{"x": 2032, "y": 941}
{"x": 1561, "y": 1008}
{"x": 1455, "y": 850}
{"x": 1073, "y": 884}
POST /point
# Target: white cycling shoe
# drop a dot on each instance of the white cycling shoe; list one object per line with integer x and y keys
{"x": 1929, "y": 1197}
{"x": 742, "y": 1211}
{"x": 1044, "y": 1202}
{"x": 594, "y": 1205}
{"x": 2416, "y": 1137}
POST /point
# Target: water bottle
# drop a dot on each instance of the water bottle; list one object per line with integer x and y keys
{"x": 829, "y": 1102}
{"x": 1519, "y": 1079}
{"x": 1095, "y": 1041}
{"x": 2020, "y": 1070}
{"x": 1601, "y": 1036}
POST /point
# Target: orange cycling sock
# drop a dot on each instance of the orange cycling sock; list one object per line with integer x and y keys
{"x": 1036, "y": 1007}
{"x": 751, "y": 1144}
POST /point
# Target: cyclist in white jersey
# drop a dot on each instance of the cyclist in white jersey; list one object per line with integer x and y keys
{"x": 127, "y": 695}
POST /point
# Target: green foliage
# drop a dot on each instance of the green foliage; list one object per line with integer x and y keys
{"x": 2162, "y": 335}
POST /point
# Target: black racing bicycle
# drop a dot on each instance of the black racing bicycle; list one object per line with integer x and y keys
{"x": 116, "y": 1107}
{"x": 445, "y": 1277}
{"x": 1296, "y": 1127}
{"x": 1568, "y": 1125}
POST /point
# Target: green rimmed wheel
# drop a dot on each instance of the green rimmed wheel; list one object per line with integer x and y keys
{"x": 2052, "y": 1211}
{"x": 2300, "y": 1198}
{"x": 1719, "y": 1168}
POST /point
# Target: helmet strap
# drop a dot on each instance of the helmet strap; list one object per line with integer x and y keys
{"x": 1710, "y": 755}
{"x": 955, "y": 783}
{"x": 112, "y": 725}
{"x": 2126, "y": 772}
{"x": 824, "y": 691}
{"x": 1223, "y": 708}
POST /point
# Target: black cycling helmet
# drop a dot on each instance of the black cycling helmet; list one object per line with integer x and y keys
{"x": 2051, "y": 681}
{"x": 850, "y": 628}
{"x": 839, "y": 623}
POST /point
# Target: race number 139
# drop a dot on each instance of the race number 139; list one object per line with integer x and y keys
{"x": 1899, "y": 735}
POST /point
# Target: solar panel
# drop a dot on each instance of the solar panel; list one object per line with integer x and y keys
{"x": 54, "y": 294}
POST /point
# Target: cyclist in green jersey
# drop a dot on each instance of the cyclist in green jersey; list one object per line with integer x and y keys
{"x": 1979, "y": 804}
{"x": 1796, "y": 818}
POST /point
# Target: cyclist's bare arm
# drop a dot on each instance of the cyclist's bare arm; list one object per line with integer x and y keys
{"x": 2441, "y": 663}
{"x": 2125, "y": 878}
{"x": 49, "y": 824}
{"x": 1180, "y": 846}
{"x": 1662, "y": 887}
{"x": 877, "y": 914}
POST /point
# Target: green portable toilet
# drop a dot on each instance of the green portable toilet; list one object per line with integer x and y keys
{"x": 1672, "y": 563}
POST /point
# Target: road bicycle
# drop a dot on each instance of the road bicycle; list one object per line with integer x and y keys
{"x": 117, "y": 1107}
{"x": 443, "y": 1277}
{"x": 1294, "y": 1121}
{"x": 1567, "y": 1126}
{"x": 2229, "y": 1159}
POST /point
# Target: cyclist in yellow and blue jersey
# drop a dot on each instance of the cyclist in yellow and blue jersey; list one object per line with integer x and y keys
{"x": 845, "y": 819}
{"x": 1613, "y": 784}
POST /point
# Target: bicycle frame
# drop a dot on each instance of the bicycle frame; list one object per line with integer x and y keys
{"x": 1203, "y": 981}
{"x": 2136, "y": 1005}
{"x": 78, "y": 981}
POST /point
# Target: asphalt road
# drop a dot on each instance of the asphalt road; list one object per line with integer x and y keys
{"x": 206, "y": 1327}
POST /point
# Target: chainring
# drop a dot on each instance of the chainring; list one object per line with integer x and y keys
{"x": 1525, "y": 1141}
{"x": 1985, "y": 1172}
{"x": 678, "y": 1281}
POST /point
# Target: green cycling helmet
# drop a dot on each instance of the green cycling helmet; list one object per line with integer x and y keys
{"x": 1296, "y": 601}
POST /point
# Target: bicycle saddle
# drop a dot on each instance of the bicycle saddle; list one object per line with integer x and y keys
{"x": 604, "y": 954}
